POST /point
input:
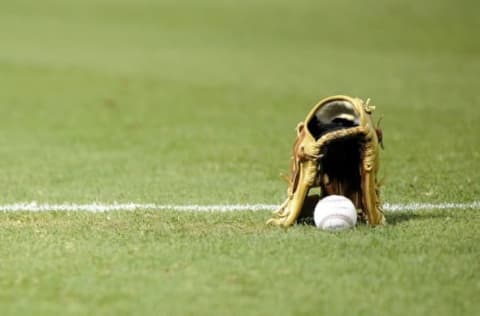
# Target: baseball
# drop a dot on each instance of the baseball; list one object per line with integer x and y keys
{"x": 335, "y": 212}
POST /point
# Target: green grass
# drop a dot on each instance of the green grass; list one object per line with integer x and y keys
{"x": 215, "y": 264}
{"x": 195, "y": 102}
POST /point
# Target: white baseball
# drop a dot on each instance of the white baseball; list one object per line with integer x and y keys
{"x": 335, "y": 212}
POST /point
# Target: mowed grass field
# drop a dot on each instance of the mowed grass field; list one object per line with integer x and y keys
{"x": 195, "y": 103}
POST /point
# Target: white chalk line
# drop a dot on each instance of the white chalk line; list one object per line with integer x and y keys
{"x": 103, "y": 207}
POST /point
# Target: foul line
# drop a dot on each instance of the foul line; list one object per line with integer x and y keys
{"x": 103, "y": 207}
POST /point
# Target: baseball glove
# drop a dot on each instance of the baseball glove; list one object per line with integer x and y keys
{"x": 337, "y": 150}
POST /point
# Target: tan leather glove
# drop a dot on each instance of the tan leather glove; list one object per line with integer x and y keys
{"x": 337, "y": 149}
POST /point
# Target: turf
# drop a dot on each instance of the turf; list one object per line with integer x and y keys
{"x": 197, "y": 264}
{"x": 194, "y": 102}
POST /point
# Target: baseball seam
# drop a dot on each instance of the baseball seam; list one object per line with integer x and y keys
{"x": 343, "y": 217}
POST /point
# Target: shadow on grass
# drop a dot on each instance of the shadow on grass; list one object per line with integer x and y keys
{"x": 401, "y": 217}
